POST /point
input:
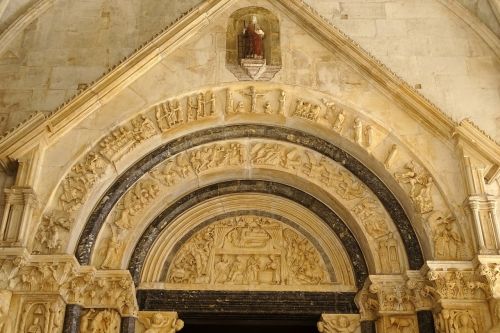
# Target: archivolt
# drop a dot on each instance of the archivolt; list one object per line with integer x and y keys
{"x": 118, "y": 189}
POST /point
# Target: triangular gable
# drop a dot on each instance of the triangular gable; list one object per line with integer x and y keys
{"x": 47, "y": 129}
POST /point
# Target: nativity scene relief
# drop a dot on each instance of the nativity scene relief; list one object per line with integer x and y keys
{"x": 251, "y": 251}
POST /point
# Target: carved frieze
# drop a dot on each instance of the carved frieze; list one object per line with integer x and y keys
{"x": 398, "y": 324}
{"x": 339, "y": 323}
{"x": 451, "y": 321}
{"x": 188, "y": 164}
{"x": 458, "y": 284}
{"x": 76, "y": 186}
{"x": 175, "y": 112}
{"x": 94, "y": 320}
{"x": 249, "y": 251}
{"x": 40, "y": 314}
{"x": 159, "y": 322}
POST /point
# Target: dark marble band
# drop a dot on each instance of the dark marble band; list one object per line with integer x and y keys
{"x": 250, "y": 186}
{"x": 119, "y": 188}
{"x": 425, "y": 322}
{"x": 246, "y": 305}
{"x": 72, "y": 318}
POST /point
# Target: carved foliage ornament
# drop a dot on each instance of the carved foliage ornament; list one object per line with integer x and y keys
{"x": 248, "y": 250}
{"x": 76, "y": 285}
{"x": 458, "y": 284}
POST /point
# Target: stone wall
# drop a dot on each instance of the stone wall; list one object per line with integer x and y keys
{"x": 72, "y": 43}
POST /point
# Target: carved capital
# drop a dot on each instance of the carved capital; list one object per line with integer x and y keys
{"x": 422, "y": 294}
{"x": 457, "y": 283}
{"x": 392, "y": 293}
{"x": 339, "y": 323}
{"x": 489, "y": 268}
{"x": 77, "y": 285}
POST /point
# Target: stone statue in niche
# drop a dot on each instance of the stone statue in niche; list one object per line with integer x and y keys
{"x": 253, "y": 44}
{"x": 253, "y": 36}
{"x": 253, "y": 60}
{"x": 248, "y": 250}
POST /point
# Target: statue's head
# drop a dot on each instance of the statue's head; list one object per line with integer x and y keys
{"x": 157, "y": 319}
{"x": 464, "y": 320}
{"x": 343, "y": 322}
{"x": 254, "y": 19}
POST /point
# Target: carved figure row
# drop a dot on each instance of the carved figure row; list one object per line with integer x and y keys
{"x": 174, "y": 112}
{"x": 310, "y": 164}
{"x": 248, "y": 251}
{"x": 196, "y": 161}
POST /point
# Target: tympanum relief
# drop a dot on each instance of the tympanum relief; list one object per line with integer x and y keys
{"x": 249, "y": 251}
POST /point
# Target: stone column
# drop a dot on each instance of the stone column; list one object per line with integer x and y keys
{"x": 396, "y": 310}
{"x": 72, "y": 318}
{"x": 345, "y": 323}
{"x": 128, "y": 325}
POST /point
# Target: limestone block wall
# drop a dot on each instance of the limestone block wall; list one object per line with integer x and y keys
{"x": 72, "y": 43}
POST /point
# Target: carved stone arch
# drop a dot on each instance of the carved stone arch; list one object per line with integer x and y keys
{"x": 142, "y": 251}
{"x": 374, "y": 158}
{"x": 102, "y": 210}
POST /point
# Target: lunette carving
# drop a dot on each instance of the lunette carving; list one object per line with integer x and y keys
{"x": 248, "y": 250}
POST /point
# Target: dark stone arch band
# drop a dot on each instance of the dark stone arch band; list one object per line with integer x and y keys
{"x": 129, "y": 177}
{"x": 249, "y": 186}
